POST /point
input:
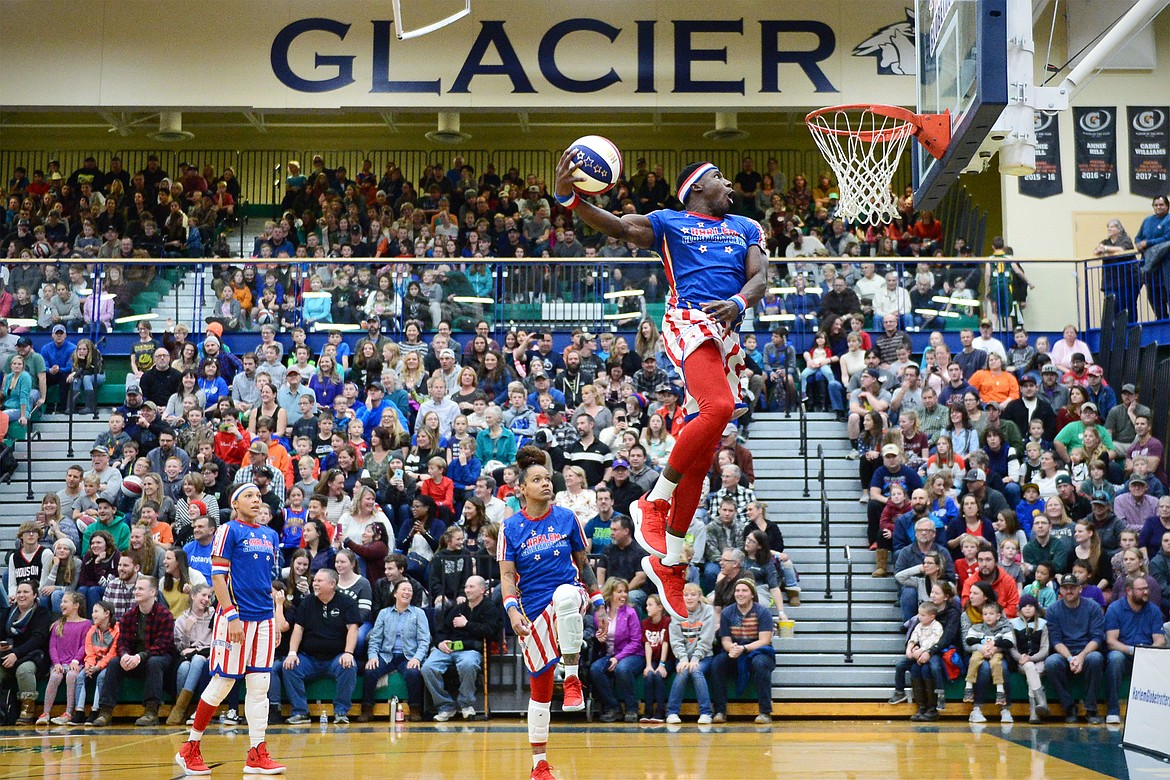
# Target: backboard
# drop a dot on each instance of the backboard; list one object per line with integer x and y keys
{"x": 962, "y": 67}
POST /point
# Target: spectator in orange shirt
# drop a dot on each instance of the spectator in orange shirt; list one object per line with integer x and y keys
{"x": 995, "y": 384}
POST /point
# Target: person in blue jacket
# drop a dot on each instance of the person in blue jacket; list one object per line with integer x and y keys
{"x": 58, "y": 355}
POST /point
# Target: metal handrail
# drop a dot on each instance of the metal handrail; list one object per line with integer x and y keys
{"x": 28, "y": 440}
{"x": 826, "y": 526}
{"x": 848, "y": 604}
{"x": 803, "y": 451}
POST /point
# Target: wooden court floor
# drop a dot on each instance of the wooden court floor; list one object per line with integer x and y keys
{"x": 498, "y": 750}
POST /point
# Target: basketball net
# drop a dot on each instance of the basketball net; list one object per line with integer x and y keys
{"x": 863, "y": 148}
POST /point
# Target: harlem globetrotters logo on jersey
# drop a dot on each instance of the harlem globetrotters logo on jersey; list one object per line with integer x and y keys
{"x": 539, "y": 542}
{"x": 257, "y": 546}
{"x": 716, "y": 234}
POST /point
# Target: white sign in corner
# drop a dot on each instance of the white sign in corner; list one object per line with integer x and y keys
{"x": 1149, "y": 702}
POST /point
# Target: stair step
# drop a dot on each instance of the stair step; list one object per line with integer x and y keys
{"x": 845, "y": 674}
{"x": 843, "y": 692}
{"x": 803, "y": 643}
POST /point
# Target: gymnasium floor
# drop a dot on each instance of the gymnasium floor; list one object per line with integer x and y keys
{"x": 496, "y": 751}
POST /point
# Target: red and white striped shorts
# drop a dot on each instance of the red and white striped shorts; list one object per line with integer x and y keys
{"x": 684, "y": 330}
{"x": 542, "y": 646}
{"x": 255, "y": 654}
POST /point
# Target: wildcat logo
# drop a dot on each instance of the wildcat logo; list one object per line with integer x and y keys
{"x": 1096, "y": 121}
{"x": 1149, "y": 120}
{"x": 893, "y": 48}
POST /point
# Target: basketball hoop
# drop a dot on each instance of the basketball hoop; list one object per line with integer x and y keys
{"x": 863, "y": 144}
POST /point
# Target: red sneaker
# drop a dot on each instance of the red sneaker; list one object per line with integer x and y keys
{"x": 190, "y": 760}
{"x": 574, "y": 700}
{"x": 260, "y": 763}
{"x": 542, "y": 772}
{"x": 670, "y": 581}
{"x": 650, "y": 519}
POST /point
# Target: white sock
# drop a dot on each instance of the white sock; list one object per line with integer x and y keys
{"x": 663, "y": 489}
{"x": 674, "y": 549}
{"x": 570, "y": 670}
{"x": 537, "y": 758}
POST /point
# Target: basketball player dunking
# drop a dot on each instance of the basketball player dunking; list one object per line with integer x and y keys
{"x": 715, "y": 266}
{"x": 547, "y": 585}
{"x": 245, "y": 636}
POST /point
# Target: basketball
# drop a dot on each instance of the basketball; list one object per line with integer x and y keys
{"x": 599, "y": 161}
{"x": 132, "y": 486}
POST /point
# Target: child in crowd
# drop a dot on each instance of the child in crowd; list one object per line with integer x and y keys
{"x": 1078, "y": 468}
{"x": 101, "y": 647}
{"x": 318, "y": 505}
{"x": 1030, "y": 467}
{"x": 923, "y": 638}
{"x": 1007, "y": 526}
{"x": 969, "y": 546}
{"x": 66, "y": 654}
{"x": 988, "y": 641}
{"x": 438, "y": 485}
{"x": 295, "y": 514}
{"x": 1036, "y": 436}
{"x": 85, "y": 507}
{"x": 659, "y": 664}
{"x": 1083, "y": 571}
{"x": 114, "y": 439}
{"x": 1011, "y": 561}
{"x": 1097, "y": 480}
{"x": 1042, "y": 587}
{"x": 1030, "y": 505}
{"x": 1029, "y": 651}
{"x": 1128, "y": 540}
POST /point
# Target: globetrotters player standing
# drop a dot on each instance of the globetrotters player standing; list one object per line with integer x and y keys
{"x": 243, "y": 561}
{"x": 716, "y": 269}
{"x": 547, "y": 586}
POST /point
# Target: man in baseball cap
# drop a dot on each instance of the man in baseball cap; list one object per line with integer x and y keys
{"x": 1079, "y": 625}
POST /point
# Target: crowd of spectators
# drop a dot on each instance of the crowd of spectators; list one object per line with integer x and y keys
{"x": 410, "y": 250}
{"x": 1001, "y": 482}
{"x": 386, "y": 469}
{"x": 386, "y": 465}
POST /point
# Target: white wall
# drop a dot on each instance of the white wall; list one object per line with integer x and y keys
{"x": 1045, "y": 228}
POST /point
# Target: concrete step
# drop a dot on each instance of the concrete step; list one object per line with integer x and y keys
{"x": 821, "y": 677}
{"x": 814, "y": 611}
{"x": 832, "y": 659}
{"x": 879, "y": 626}
{"x": 828, "y": 692}
{"x": 800, "y": 643}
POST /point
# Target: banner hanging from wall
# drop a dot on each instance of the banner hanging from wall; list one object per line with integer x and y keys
{"x": 1047, "y": 180}
{"x": 1149, "y": 150}
{"x": 1095, "y": 137}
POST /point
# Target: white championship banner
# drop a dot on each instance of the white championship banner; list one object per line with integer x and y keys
{"x": 1149, "y": 702}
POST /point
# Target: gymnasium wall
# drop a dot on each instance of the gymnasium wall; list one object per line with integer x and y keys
{"x": 1069, "y": 224}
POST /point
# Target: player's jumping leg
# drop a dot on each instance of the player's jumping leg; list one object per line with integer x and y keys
{"x": 538, "y": 718}
{"x": 189, "y": 756}
{"x": 570, "y": 630}
{"x": 706, "y": 378}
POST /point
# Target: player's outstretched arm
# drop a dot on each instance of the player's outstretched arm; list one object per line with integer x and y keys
{"x": 634, "y": 228}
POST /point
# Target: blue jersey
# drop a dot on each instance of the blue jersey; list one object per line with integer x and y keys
{"x": 705, "y": 257}
{"x": 251, "y": 552}
{"x": 542, "y": 549}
